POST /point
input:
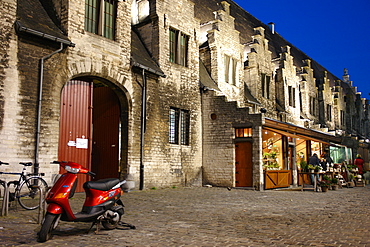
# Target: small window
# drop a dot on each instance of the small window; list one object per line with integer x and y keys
{"x": 184, "y": 127}
{"x": 179, "y": 126}
{"x": 230, "y": 70}
{"x": 178, "y": 47}
{"x": 100, "y": 17}
{"x": 243, "y": 132}
{"x": 328, "y": 113}
{"x": 342, "y": 118}
{"x": 313, "y": 106}
{"x": 265, "y": 82}
{"x": 291, "y": 94}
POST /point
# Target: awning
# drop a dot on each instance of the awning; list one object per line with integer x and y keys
{"x": 297, "y": 131}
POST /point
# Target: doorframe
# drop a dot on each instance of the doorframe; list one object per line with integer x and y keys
{"x": 238, "y": 141}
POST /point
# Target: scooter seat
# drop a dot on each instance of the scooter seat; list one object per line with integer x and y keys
{"x": 102, "y": 184}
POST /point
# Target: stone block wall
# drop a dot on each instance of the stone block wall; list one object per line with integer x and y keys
{"x": 172, "y": 164}
{"x": 219, "y": 121}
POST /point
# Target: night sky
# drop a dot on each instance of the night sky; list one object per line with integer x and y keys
{"x": 336, "y": 34}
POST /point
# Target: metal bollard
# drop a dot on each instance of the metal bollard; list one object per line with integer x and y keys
{"x": 41, "y": 206}
{"x": 5, "y": 204}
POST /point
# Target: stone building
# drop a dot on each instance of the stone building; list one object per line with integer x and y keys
{"x": 178, "y": 93}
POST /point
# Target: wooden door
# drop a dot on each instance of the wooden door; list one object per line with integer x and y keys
{"x": 106, "y": 119}
{"x": 243, "y": 164}
{"x": 75, "y": 125}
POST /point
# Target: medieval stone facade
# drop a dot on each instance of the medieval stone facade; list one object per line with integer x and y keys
{"x": 187, "y": 76}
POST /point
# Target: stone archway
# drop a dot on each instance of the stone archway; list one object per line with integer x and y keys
{"x": 93, "y": 127}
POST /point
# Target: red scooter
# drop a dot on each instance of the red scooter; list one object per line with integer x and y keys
{"x": 102, "y": 204}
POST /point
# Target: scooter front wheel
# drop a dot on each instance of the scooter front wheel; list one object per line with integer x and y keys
{"x": 50, "y": 223}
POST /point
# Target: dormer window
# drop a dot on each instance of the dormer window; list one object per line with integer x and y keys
{"x": 100, "y": 17}
{"x": 140, "y": 10}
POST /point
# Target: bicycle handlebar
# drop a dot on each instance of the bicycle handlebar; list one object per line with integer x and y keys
{"x": 26, "y": 163}
{"x": 57, "y": 162}
{"x": 3, "y": 163}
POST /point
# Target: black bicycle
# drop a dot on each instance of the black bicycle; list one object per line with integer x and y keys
{"x": 27, "y": 189}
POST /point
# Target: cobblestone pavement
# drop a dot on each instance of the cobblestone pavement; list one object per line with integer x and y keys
{"x": 214, "y": 217}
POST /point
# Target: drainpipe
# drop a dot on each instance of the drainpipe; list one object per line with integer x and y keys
{"x": 37, "y": 145}
{"x": 145, "y": 69}
{"x": 143, "y": 127}
{"x": 20, "y": 28}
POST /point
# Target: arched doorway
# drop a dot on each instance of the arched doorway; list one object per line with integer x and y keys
{"x": 90, "y": 127}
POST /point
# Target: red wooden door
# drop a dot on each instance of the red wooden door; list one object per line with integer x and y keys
{"x": 106, "y": 118}
{"x": 75, "y": 125}
{"x": 243, "y": 164}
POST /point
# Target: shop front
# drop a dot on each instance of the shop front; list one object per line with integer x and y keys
{"x": 285, "y": 151}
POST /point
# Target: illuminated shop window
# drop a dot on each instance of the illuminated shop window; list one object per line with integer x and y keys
{"x": 243, "y": 132}
{"x": 272, "y": 150}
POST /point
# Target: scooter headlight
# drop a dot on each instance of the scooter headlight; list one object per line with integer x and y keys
{"x": 71, "y": 169}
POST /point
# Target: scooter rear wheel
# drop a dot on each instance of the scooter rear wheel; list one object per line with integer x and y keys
{"x": 48, "y": 225}
{"x": 112, "y": 223}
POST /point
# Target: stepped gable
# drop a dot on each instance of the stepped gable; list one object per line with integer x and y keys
{"x": 245, "y": 24}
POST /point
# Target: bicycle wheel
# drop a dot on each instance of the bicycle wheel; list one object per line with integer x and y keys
{"x": 28, "y": 194}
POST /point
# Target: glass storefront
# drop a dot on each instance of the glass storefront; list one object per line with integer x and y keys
{"x": 272, "y": 150}
{"x": 340, "y": 154}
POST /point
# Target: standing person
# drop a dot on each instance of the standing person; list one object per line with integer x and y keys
{"x": 359, "y": 162}
{"x": 326, "y": 160}
{"x": 315, "y": 161}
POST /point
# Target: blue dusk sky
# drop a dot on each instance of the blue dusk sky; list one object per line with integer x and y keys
{"x": 335, "y": 33}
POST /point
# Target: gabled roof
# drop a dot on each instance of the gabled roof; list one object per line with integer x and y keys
{"x": 33, "y": 19}
{"x": 140, "y": 56}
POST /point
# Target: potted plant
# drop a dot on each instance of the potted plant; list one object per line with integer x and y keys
{"x": 311, "y": 168}
{"x": 324, "y": 184}
{"x": 334, "y": 185}
{"x": 303, "y": 165}
{"x": 318, "y": 168}
{"x": 350, "y": 182}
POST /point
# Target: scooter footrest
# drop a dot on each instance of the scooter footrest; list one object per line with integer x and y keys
{"x": 83, "y": 217}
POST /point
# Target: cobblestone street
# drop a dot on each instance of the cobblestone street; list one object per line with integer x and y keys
{"x": 215, "y": 217}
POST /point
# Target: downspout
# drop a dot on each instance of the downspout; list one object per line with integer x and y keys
{"x": 143, "y": 127}
{"x": 37, "y": 145}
